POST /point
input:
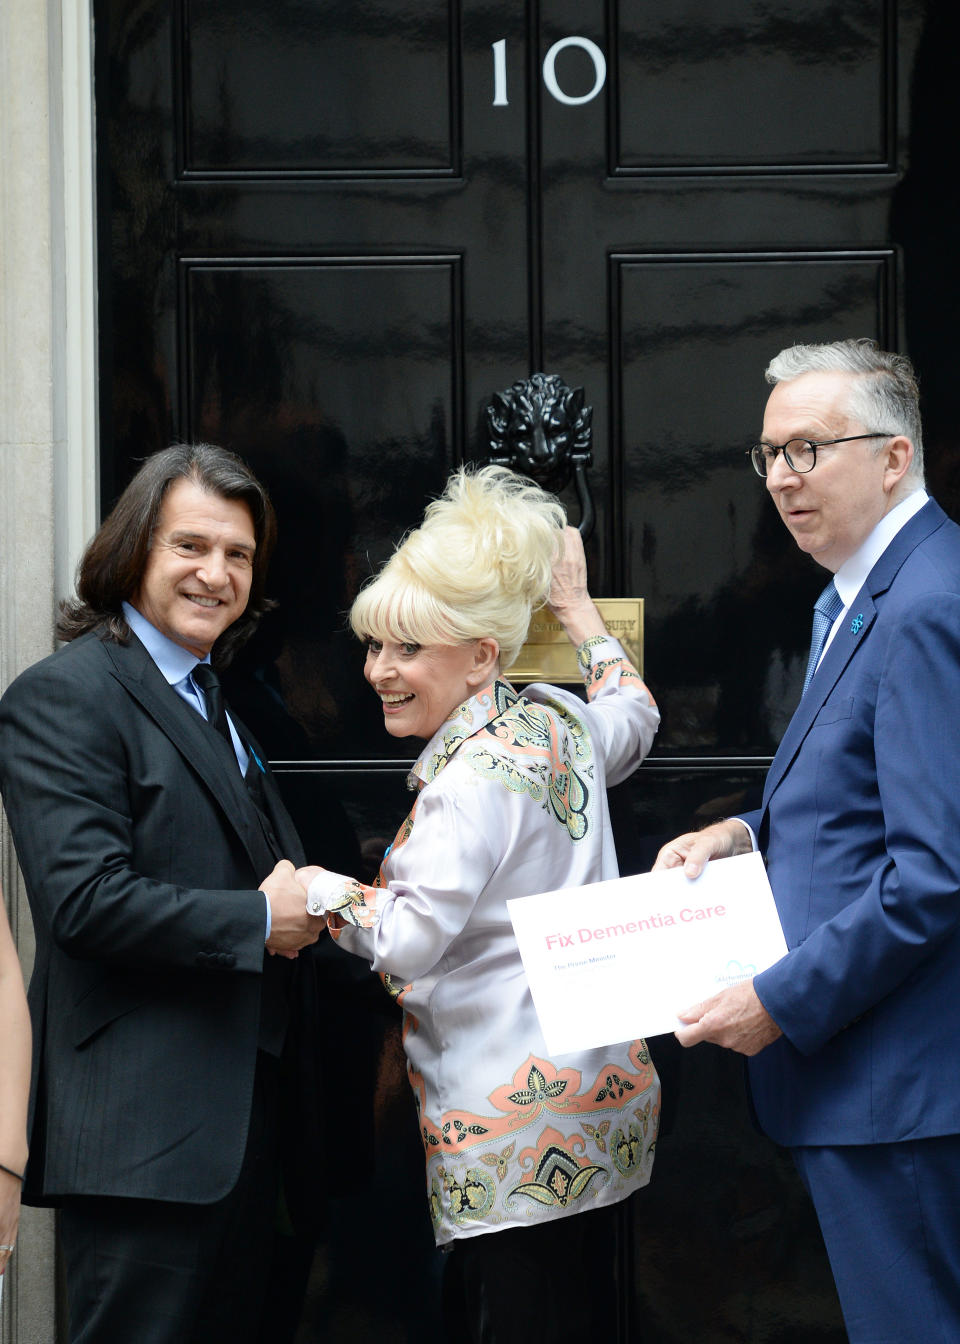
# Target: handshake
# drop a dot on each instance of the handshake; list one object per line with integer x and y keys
{"x": 291, "y": 927}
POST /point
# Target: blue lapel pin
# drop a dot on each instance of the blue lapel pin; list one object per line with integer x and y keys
{"x": 856, "y": 625}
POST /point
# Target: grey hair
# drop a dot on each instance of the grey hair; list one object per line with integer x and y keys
{"x": 884, "y": 394}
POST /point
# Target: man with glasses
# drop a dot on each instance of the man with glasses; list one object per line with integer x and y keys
{"x": 853, "y": 1039}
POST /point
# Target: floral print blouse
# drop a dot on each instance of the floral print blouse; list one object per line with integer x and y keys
{"x": 511, "y": 801}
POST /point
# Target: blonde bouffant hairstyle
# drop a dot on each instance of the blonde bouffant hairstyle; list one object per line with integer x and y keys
{"x": 476, "y": 568}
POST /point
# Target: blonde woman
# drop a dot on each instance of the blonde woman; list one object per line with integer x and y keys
{"x": 511, "y": 799}
{"x": 14, "y": 1086}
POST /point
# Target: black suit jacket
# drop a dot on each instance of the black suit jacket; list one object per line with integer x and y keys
{"x": 142, "y": 852}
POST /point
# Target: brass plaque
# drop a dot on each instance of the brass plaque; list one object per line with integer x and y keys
{"x": 548, "y": 654}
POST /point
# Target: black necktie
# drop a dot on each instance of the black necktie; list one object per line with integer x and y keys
{"x": 275, "y": 987}
{"x": 209, "y": 683}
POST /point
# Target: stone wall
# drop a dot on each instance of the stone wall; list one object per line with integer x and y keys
{"x": 47, "y": 427}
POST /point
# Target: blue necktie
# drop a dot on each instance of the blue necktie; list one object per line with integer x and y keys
{"x": 826, "y": 609}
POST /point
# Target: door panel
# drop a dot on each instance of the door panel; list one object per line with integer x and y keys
{"x": 272, "y": 89}
{"x": 329, "y": 232}
{"x": 749, "y": 87}
{"x": 344, "y": 396}
{"x": 728, "y": 593}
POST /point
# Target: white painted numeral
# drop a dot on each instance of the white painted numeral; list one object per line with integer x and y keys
{"x": 500, "y": 73}
{"x": 550, "y": 71}
{"x": 550, "y": 74}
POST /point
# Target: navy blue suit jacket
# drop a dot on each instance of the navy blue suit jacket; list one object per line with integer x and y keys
{"x": 860, "y": 825}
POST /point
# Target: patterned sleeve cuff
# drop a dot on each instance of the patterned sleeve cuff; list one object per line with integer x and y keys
{"x": 603, "y": 662}
{"x": 596, "y": 649}
{"x": 343, "y": 900}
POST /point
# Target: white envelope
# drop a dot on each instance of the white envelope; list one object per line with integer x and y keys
{"x": 616, "y": 960}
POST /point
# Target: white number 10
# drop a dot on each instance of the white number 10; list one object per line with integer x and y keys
{"x": 550, "y": 72}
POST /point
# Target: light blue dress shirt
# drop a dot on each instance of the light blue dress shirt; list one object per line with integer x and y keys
{"x": 175, "y": 664}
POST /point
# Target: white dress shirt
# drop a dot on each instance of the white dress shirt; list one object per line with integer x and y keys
{"x": 852, "y": 574}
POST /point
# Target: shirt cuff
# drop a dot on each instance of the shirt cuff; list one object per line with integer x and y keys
{"x": 598, "y": 649}
{"x": 266, "y": 936}
{"x": 324, "y": 890}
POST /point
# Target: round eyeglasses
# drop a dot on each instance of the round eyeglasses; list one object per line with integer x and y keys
{"x": 800, "y": 455}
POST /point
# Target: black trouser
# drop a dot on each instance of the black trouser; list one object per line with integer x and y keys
{"x": 551, "y": 1283}
{"x": 150, "y": 1272}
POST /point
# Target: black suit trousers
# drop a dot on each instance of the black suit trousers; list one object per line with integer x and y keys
{"x": 169, "y": 1273}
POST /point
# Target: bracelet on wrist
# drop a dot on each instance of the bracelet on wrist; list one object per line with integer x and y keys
{"x": 10, "y": 1172}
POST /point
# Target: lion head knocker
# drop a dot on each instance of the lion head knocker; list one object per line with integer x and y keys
{"x": 542, "y": 429}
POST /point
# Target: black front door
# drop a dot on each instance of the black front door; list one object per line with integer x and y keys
{"x": 327, "y": 233}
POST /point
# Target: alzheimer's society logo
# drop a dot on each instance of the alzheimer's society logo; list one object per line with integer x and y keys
{"x": 735, "y": 972}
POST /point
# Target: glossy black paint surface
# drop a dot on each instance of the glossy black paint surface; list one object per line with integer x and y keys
{"x": 323, "y": 245}
{"x": 318, "y": 88}
{"x": 763, "y": 88}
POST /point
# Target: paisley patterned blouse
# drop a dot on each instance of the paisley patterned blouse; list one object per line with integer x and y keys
{"x": 511, "y": 801}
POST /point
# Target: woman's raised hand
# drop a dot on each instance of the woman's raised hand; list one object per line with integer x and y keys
{"x": 570, "y": 598}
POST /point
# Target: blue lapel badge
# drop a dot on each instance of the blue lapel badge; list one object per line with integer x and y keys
{"x": 856, "y": 625}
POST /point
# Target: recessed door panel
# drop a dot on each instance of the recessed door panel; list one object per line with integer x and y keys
{"x": 278, "y": 86}
{"x": 344, "y": 396}
{"x": 727, "y": 592}
{"x": 748, "y": 86}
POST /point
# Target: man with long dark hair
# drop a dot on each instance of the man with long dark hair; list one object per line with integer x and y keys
{"x": 156, "y": 850}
